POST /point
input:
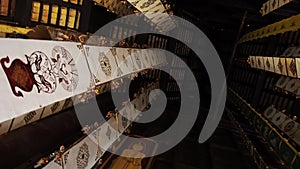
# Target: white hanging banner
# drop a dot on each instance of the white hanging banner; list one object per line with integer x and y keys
{"x": 137, "y": 59}
{"x": 70, "y": 157}
{"x": 83, "y": 155}
{"x": 291, "y": 67}
{"x": 4, "y": 127}
{"x": 283, "y": 2}
{"x": 108, "y": 63}
{"x": 27, "y": 118}
{"x": 53, "y": 108}
{"x": 260, "y": 62}
{"x": 280, "y": 66}
{"x": 102, "y": 63}
{"x": 67, "y": 104}
{"x": 145, "y": 57}
{"x": 289, "y": 127}
{"x": 293, "y": 85}
{"x": 269, "y": 65}
{"x": 298, "y": 67}
{"x": 272, "y": 5}
{"x": 265, "y": 8}
{"x": 284, "y": 68}
{"x": 278, "y": 118}
{"x": 37, "y": 73}
{"x": 270, "y": 112}
{"x": 124, "y": 61}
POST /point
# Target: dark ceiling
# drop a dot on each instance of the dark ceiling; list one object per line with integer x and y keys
{"x": 221, "y": 19}
{"x": 228, "y": 14}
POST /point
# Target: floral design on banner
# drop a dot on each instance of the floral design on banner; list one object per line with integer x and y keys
{"x": 65, "y": 68}
{"x": 105, "y": 64}
{"x": 83, "y": 156}
{"x": 42, "y": 71}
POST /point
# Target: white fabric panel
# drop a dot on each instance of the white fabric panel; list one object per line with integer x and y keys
{"x": 27, "y": 118}
{"x": 291, "y": 67}
{"x": 68, "y": 103}
{"x": 298, "y": 67}
{"x": 260, "y": 63}
{"x": 289, "y": 127}
{"x": 279, "y": 65}
{"x": 284, "y": 68}
{"x": 137, "y": 59}
{"x": 86, "y": 152}
{"x": 279, "y": 118}
{"x": 72, "y": 154}
{"x": 62, "y": 74}
{"x": 266, "y": 8}
{"x": 274, "y": 4}
{"x": 92, "y": 150}
{"x": 270, "y": 112}
{"x": 145, "y": 58}
{"x": 293, "y": 85}
{"x": 283, "y": 2}
{"x": 269, "y": 65}
{"x": 124, "y": 61}
{"x": 4, "y": 126}
{"x": 272, "y": 67}
{"x": 53, "y": 108}
{"x": 102, "y": 63}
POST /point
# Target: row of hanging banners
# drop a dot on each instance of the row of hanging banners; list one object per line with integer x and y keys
{"x": 283, "y": 66}
{"x": 154, "y": 10}
{"x": 272, "y": 5}
{"x": 287, "y": 64}
{"x": 285, "y": 25}
{"x": 88, "y": 151}
{"x": 264, "y": 122}
{"x": 41, "y": 78}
